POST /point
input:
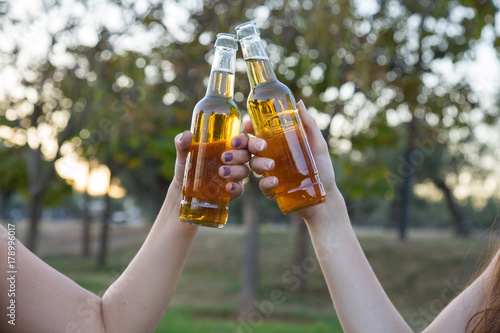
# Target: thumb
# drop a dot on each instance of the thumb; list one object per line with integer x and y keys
{"x": 182, "y": 144}
{"x": 314, "y": 136}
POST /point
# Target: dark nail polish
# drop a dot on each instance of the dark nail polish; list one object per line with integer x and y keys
{"x": 226, "y": 171}
{"x": 228, "y": 157}
{"x": 236, "y": 143}
{"x": 233, "y": 186}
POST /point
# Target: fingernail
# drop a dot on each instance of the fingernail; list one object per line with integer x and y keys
{"x": 301, "y": 103}
{"x": 274, "y": 181}
{"x": 226, "y": 171}
{"x": 261, "y": 145}
{"x": 269, "y": 165}
{"x": 179, "y": 137}
{"x": 236, "y": 143}
{"x": 228, "y": 157}
{"x": 233, "y": 186}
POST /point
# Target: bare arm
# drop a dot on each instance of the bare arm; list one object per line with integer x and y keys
{"x": 359, "y": 299}
{"x": 455, "y": 315}
{"x": 47, "y": 301}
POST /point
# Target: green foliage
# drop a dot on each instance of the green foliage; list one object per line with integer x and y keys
{"x": 57, "y": 191}
{"x": 370, "y": 73}
{"x": 13, "y": 169}
{"x": 181, "y": 319}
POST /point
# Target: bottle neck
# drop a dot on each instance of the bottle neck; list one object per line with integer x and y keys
{"x": 221, "y": 82}
{"x": 259, "y": 71}
{"x": 259, "y": 67}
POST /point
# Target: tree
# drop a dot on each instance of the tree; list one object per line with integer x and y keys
{"x": 35, "y": 107}
{"x": 13, "y": 171}
{"x": 378, "y": 80}
{"x": 300, "y": 246}
{"x": 413, "y": 40}
{"x": 250, "y": 263}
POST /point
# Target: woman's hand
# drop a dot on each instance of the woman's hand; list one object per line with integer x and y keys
{"x": 319, "y": 150}
{"x": 234, "y": 168}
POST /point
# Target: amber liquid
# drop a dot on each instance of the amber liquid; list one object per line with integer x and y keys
{"x": 205, "y": 199}
{"x": 216, "y": 120}
{"x": 274, "y": 117}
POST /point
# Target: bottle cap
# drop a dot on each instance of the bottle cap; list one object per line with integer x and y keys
{"x": 227, "y": 41}
{"x": 247, "y": 29}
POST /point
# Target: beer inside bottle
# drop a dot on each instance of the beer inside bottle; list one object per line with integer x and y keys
{"x": 216, "y": 120}
{"x": 274, "y": 115}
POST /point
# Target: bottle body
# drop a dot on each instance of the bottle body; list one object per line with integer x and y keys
{"x": 275, "y": 118}
{"x": 216, "y": 120}
{"x": 204, "y": 202}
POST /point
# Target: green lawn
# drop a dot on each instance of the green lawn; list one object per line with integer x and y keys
{"x": 420, "y": 276}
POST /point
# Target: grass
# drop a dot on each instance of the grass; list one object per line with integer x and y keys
{"x": 419, "y": 275}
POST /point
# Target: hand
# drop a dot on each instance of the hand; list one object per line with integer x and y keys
{"x": 319, "y": 150}
{"x": 234, "y": 160}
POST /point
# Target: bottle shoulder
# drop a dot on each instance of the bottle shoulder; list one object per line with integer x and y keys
{"x": 217, "y": 104}
{"x": 271, "y": 90}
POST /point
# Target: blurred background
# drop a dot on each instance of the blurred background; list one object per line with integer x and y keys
{"x": 406, "y": 93}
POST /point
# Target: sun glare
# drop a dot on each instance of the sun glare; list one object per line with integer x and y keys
{"x": 95, "y": 180}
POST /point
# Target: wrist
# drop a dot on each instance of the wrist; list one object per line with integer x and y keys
{"x": 333, "y": 210}
{"x": 168, "y": 220}
{"x": 170, "y": 207}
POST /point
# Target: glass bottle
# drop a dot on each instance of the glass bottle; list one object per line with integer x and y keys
{"x": 216, "y": 120}
{"x": 275, "y": 118}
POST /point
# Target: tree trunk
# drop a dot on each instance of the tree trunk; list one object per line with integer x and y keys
{"x": 351, "y": 208}
{"x": 407, "y": 170}
{"x": 248, "y": 293}
{"x": 103, "y": 244}
{"x": 406, "y": 195}
{"x": 300, "y": 249}
{"x": 460, "y": 226}
{"x": 34, "y": 218}
{"x": 37, "y": 185}
{"x": 4, "y": 203}
{"x": 393, "y": 214}
{"x": 86, "y": 239}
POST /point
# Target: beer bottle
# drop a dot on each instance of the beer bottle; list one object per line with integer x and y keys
{"x": 216, "y": 120}
{"x": 275, "y": 118}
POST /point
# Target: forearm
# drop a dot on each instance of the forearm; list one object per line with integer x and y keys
{"x": 138, "y": 299}
{"x": 360, "y": 301}
{"x": 456, "y": 315}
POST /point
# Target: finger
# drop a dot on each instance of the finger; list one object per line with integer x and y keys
{"x": 248, "y": 128}
{"x": 267, "y": 186}
{"x": 234, "y": 171}
{"x": 307, "y": 119}
{"x": 235, "y": 157}
{"x": 240, "y": 141}
{"x": 256, "y": 145}
{"x": 261, "y": 164}
{"x": 182, "y": 144}
{"x": 234, "y": 189}
{"x": 311, "y": 128}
